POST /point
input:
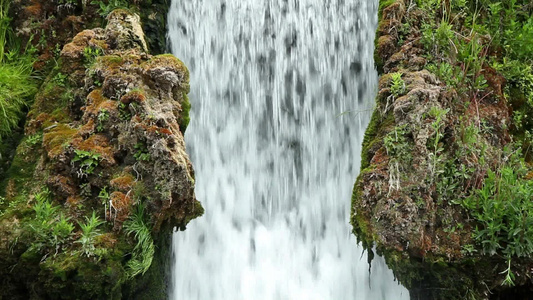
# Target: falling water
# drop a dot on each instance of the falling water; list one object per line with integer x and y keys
{"x": 281, "y": 92}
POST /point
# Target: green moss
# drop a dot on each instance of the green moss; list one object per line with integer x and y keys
{"x": 21, "y": 171}
{"x": 383, "y": 5}
{"x": 433, "y": 278}
{"x": 184, "y": 115}
{"x": 109, "y": 62}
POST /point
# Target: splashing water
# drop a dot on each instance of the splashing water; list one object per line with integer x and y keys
{"x": 275, "y": 156}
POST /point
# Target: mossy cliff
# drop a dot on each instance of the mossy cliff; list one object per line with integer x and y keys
{"x": 43, "y": 27}
{"x": 101, "y": 176}
{"x": 445, "y": 188}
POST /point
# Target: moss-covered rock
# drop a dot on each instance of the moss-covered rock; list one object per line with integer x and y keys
{"x": 428, "y": 148}
{"x": 104, "y": 146}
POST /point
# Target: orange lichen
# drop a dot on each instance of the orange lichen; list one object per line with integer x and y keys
{"x": 133, "y": 96}
{"x": 55, "y": 140}
{"x": 121, "y": 205}
{"x": 87, "y": 129}
{"x": 123, "y": 183}
{"x": 94, "y": 99}
{"x": 34, "y": 10}
{"x": 73, "y": 201}
{"x": 154, "y": 129}
{"x": 98, "y": 144}
{"x": 62, "y": 185}
{"x": 96, "y": 102}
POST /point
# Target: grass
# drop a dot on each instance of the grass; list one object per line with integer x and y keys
{"x": 17, "y": 86}
{"x": 143, "y": 253}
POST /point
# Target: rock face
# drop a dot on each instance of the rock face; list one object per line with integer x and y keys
{"x": 103, "y": 155}
{"x": 425, "y": 154}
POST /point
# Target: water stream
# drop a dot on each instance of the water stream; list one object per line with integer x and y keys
{"x": 275, "y": 157}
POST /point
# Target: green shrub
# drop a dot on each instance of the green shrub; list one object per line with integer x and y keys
{"x": 504, "y": 210}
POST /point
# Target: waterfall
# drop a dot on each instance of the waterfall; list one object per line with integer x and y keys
{"x": 281, "y": 93}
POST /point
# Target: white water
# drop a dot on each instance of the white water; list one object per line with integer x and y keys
{"x": 274, "y": 162}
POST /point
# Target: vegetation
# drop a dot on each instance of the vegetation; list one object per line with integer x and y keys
{"x": 51, "y": 229}
{"x": 143, "y": 253}
{"x": 88, "y": 162}
{"x": 89, "y": 232}
{"x": 397, "y": 85}
{"x": 465, "y": 196}
{"x": 106, "y": 7}
{"x": 17, "y": 85}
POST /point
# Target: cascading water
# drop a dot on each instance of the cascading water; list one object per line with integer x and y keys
{"x": 275, "y": 157}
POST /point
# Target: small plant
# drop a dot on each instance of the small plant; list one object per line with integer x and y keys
{"x": 106, "y": 199}
{"x": 61, "y": 79}
{"x": 88, "y": 162}
{"x": 89, "y": 232}
{"x": 61, "y": 231}
{"x": 397, "y": 85}
{"x": 103, "y": 116}
{"x": 398, "y": 149}
{"x": 50, "y": 228}
{"x": 90, "y": 54}
{"x": 143, "y": 253}
{"x": 141, "y": 153}
{"x": 35, "y": 139}
{"x": 503, "y": 208}
{"x": 509, "y": 276}
{"x": 124, "y": 112}
{"x": 438, "y": 114}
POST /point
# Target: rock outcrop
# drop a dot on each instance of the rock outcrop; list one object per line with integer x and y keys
{"x": 426, "y": 153}
{"x": 101, "y": 176}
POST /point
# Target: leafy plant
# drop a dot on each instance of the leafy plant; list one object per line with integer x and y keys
{"x": 35, "y": 139}
{"x": 90, "y": 54}
{"x": 124, "y": 112}
{"x": 397, "y": 85}
{"x": 103, "y": 116}
{"x": 61, "y": 231}
{"x": 503, "y": 208}
{"x": 143, "y": 253}
{"x": 88, "y": 162}
{"x": 50, "y": 228}
{"x": 89, "y": 232}
{"x": 142, "y": 153}
{"x": 398, "y": 149}
{"x": 61, "y": 79}
{"x": 509, "y": 276}
{"x": 105, "y": 198}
